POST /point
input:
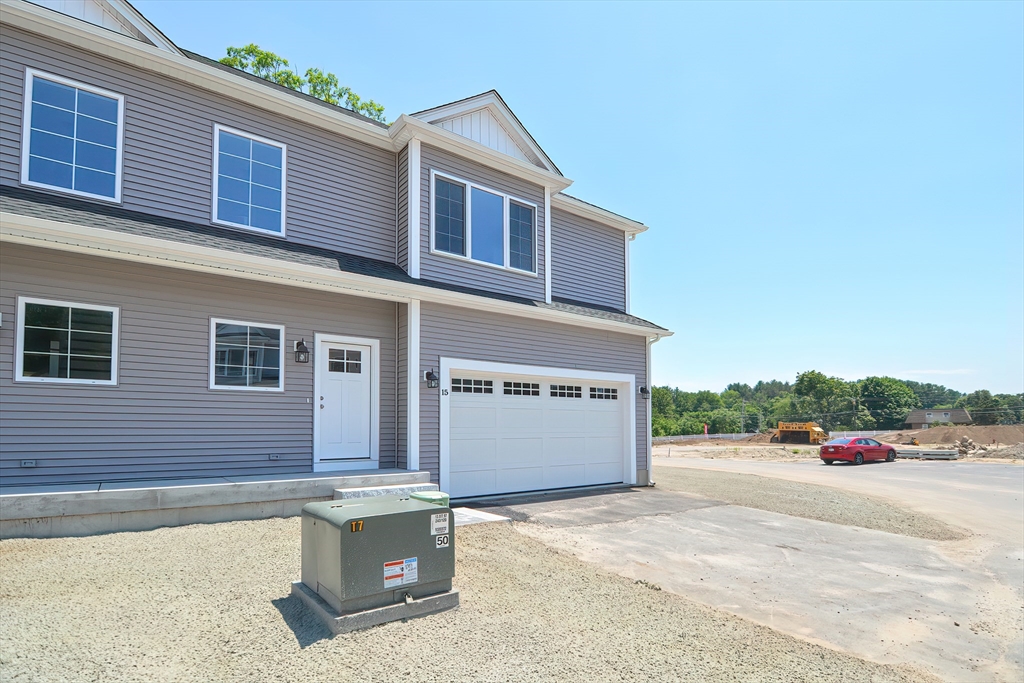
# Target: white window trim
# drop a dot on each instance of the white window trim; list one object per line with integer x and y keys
{"x": 19, "y": 342}
{"x": 217, "y": 128}
{"x": 506, "y": 219}
{"x": 456, "y": 365}
{"x": 213, "y": 355}
{"x": 26, "y": 135}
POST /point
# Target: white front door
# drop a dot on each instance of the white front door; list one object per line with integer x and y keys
{"x": 343, "y": 414}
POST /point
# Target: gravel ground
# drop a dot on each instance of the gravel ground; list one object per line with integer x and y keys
{"x": 210, "y": 603}
{"x": 773, "y": 452}
{"x": 809, "y": 501}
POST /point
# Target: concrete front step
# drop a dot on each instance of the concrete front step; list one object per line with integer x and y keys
{"x": 140, "y": 505}
{"x": 393, "y": 490}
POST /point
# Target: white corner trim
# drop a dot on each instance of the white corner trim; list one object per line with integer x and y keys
{"x": 360, "y": 463}
{"x": 414, "y": 209}
{"x": 444, "y": 411}
{"x": 412, "y": 439}
{"x": 26, "y": 135}
{"x": 628, "y": 238}
{"x": 547, "y": 245}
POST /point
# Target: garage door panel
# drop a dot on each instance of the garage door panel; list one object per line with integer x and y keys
{"x": 520, "y": 479}
{"x": 560, "y": 419}
{"x": 565, "y": 450}
{"x": 475, "y": 483}
{"x": 521, "y": 418}
{"x": 520, "y": 451}
{"x": 473, "y": 454}
{"x": 505, "y": 443}
{"x": 475, "y": 417}
{"x": 603, "y": 474}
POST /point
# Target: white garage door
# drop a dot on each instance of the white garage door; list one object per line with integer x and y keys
{"x": 512, "y": 433}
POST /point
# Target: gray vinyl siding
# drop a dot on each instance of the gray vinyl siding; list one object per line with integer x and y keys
{"x": 476, "y": 335}
{"x": 462, "y": 272}
{"x": 162, "y": 420}
{"x": 401, "y": 390}
{"x": 588, "y": 261}
{"x": 402, "y": 219}
{"x": 341, "y": 193}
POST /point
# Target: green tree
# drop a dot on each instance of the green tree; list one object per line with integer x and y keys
{"x": 723, "y": 421}
{"x": 743, "y": 390}
{"x": 985, "y": 408}
{"x": 707, "y": 401}
{"x": 323, "y": 86}
{"x": 933, "y": 395}
{"x": 829, "y": 401}
{"x": 887, "y": 400}
{"x": 661, "y": 403}
{"x": 731, "y": 399}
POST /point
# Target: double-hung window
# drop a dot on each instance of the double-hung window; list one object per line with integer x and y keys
{"x": 64, "y": 342}
{"x": 483, "y": 225}
{"x": 72, "y": 137}
{"x": 246, "y": 355}
{"x": 248, "y": 181}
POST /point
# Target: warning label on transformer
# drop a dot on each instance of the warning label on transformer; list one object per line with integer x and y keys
{"x": 400, "y": 572}
{"x": 439, "y": 523}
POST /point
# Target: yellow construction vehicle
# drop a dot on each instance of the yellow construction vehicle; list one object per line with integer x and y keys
{"x": 800, "y": 432}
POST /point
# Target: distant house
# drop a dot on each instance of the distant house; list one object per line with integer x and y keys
{"x": 922, "y": 419}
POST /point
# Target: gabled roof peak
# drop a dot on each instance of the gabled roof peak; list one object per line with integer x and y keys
{"x": 115, "y": 15}
{"x": 485, "y": 118}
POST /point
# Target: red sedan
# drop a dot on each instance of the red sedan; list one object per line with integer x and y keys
{"x": 857, "y": 449}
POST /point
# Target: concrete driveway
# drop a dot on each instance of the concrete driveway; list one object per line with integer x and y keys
{"x": 949, "y": 607}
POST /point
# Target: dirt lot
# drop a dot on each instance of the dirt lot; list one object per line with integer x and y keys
{"x": 740, "y": 450}
{"x": 210, "y": 602}
{"x": 983, "y": 435}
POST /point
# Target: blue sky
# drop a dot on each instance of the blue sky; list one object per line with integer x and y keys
{"x": 830, "y": 186}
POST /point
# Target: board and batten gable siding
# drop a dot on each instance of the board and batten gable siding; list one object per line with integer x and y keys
{"x": 464, "y": 272}
{"x": 588, "y": 261}
{"x": 402, "y": 218}
{"x": 341, "y": 193}
{"x": 447, "y": 331}
{"x": 162, "y": 420}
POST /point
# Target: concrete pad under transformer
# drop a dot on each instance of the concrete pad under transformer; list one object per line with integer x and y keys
{"x": 355, "y": 621}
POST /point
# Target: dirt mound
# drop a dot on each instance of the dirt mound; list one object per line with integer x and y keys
{"x": 766, "y": 437}
{"x": 1015, "y": 452}
{"x": 982, "y": 435}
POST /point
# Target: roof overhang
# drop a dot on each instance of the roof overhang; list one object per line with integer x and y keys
{"x": 406, "y": 127}
{"x": 579, "y": 207}
{"x": 48, "y": 234}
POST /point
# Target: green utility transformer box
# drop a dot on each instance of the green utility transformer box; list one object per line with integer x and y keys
{"x": 377, "y": 559}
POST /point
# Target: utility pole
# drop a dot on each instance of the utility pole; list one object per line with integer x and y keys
{"x": 743, "y": 413}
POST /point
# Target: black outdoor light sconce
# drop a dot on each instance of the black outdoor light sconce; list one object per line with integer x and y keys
{"x": 433, "y": 381}
{"x": 644, "y": 393}
{"x": 301, "y": 352}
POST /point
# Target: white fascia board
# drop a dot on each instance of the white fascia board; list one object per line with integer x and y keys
{"x": 597, "y": 214}
{"x": 56, "y": 26}
{"x": 407, "y": 127}
{"x": 47, "y": 234}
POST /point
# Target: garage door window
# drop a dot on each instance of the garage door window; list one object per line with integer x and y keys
{"x": 604, "y": 393}
{"x": 566, "y": 391}
{"x": 472, "y": 386}
{"x": 522, "y": 389}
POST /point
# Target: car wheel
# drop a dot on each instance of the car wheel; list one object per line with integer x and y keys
{"x": 858, "y": 459}
{"x": 829, "y": 462}
{"x": 890, "y": 456}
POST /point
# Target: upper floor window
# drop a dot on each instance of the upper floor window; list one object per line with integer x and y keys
{"x": 72, "y": 137}
{"x": 483, "y": 225}
{"x": 248, "y": 181}
{"x": 72, "y": 343}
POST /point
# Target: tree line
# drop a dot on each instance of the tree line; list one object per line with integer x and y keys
{"x": 832, "y": 402}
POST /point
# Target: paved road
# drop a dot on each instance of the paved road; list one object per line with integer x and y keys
{"x": 952, "y": 608}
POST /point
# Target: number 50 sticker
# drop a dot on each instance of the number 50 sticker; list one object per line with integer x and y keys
{"x": 442, "y": 541}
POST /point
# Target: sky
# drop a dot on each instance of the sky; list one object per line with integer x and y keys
{"x": 829, "y": 186}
